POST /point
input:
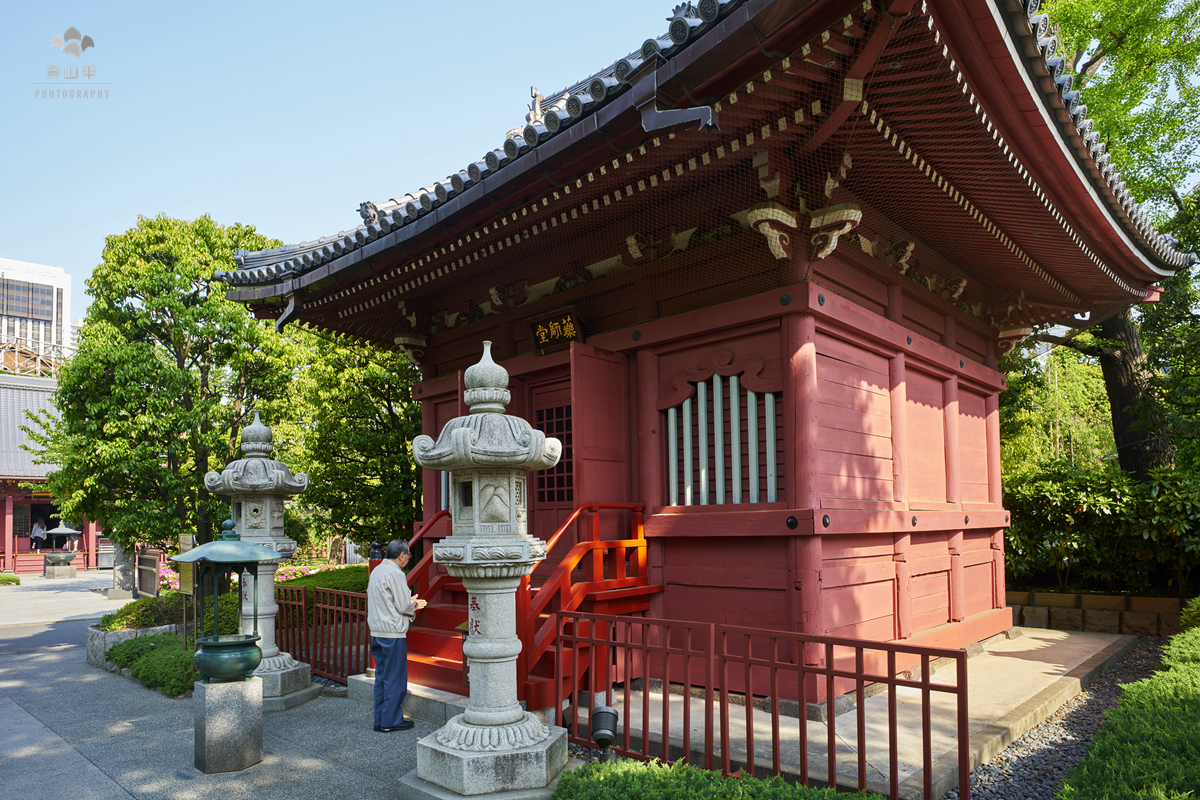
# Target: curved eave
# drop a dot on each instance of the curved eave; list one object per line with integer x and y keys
{"x": 737, "y": 42}
{"x": 990, "y": 47}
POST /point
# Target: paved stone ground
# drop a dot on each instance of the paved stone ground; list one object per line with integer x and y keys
{"x": 70, "y": 730}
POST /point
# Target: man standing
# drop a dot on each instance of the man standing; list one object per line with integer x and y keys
{"x": 390, "y": 610}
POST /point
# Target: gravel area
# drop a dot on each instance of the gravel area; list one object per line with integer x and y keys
{"x": 1034, "y": 766}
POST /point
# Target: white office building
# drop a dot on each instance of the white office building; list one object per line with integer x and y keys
{"x": 35, "y": 307}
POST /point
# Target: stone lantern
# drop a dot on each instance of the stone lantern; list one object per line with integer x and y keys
{"x": 257, "y": 487}
{"x": 495, "y": 745}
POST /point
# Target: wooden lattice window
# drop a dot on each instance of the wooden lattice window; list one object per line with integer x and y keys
{"x": 557, "y": 484}
{"x": 724, "y": 445}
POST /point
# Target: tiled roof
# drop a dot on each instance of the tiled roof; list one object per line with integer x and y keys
{"x": 550, "y": 115}
{"x": 18, "y": 394}
{"x": 553, "y": 114}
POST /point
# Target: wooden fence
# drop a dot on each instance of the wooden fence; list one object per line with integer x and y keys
{"x": 324, "y": 628}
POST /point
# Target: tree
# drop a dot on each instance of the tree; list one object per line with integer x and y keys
{"x": 164, "y": 378}
{"x": 358, "y": 428}
{"x": 1137, "y": 65}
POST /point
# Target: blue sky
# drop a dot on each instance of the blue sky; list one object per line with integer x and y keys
{"x": 282, "y": 116}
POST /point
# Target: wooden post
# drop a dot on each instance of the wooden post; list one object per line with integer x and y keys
{"x": 895, "y": 304}
{"x": 90, "y": 558}
{"x": 431, "y": 480}
{"x": 953, "y": 462}
{"x": 649, "y": 428}
{"x": 991, "y": 407}
{"x": 804, "y": 488}
{"x": 903, "y": 585}
{"x": 10, "y": 544}
{"x": 899, "y": 399}
{"x": 958, "y": 592}
{"x": 999, "y": 596}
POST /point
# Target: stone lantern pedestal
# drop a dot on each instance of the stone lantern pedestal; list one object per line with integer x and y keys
{"x": 257, "y": 487}
{"x": 495, "y": 746}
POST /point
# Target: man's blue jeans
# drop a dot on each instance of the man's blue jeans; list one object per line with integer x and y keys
{"x": 391, "y": 680}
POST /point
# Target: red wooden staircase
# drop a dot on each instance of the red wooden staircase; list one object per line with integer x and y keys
{"x": 599, "y": 576}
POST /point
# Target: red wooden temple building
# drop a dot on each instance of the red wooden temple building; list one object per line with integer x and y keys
{"x": 756, "y": 276}
{"x": 22, "y": 505}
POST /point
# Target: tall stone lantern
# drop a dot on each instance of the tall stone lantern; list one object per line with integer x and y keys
{"x": 257, "y": 486}
{"x": 495, "y": 745}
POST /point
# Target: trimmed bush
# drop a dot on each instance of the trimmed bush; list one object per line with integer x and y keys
{"x": 9, "y": 580}
{"x": 1103, "y": 531}
{"x": 163, "y": 660}
{"x": 167, "y": 609}
{"x": 1149, "y": 746}
{"x": 344, "y": 579}
{"x": 637, "y": 780}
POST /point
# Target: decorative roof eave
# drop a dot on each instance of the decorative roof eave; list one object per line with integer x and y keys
{"x": 554, "y": 119}
{"x": 1033, "y": 51}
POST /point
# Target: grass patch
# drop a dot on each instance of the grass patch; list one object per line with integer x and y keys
{"x": 636, "y": 780}
{"x": 163, "y": 660}
{"x": 9, "y": 580}
{"x": 1149, "y": 747}
{"x": 167, "y": 609}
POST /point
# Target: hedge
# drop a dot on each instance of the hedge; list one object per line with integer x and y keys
{"x": 1149, "y": 747}
{"x": 161, "y": 660}
{"x": 167, "y": 609}
{"x": 1104, "y": 531}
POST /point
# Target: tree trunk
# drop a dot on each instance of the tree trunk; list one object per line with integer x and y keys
{"x": 1138, "y": 426}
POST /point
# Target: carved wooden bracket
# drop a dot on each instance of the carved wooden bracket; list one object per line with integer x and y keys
{"x": 836, "y": 222}
{"x": 770, "y": 219}
{"x": 718, "y": 361}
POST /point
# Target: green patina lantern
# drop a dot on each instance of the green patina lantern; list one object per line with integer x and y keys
{"x": 232, "y": 656}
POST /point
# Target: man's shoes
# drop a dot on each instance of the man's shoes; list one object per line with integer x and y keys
{"x": 403, "y": 726}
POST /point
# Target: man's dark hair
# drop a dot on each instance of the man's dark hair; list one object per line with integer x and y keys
{"x": 396, "y": 548}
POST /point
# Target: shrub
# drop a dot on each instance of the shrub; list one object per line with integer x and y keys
{"x": 167, "y": 609}
{"x": 1190, "y": 617}
{"x": 636, "y": 780}
{"x": 343, "y": 579}
{"x": 9, "y": 580}
{"x": 163, "y": 660}
{"x": 1149, "y": 746}
{"x": 1103, "y": 531}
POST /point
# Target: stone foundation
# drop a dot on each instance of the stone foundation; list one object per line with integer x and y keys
{"x": 60, "y": 571}
{"x": 1097, "y": 620}
{"x": 229, "y": 725}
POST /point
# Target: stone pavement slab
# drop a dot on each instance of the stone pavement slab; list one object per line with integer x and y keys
{"x": 123, "y": 740}
{"x": 42, "y": 600}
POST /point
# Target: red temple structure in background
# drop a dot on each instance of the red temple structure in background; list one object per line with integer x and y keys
{"x": 22, "y": 505}
{"x": 756, "y": 276}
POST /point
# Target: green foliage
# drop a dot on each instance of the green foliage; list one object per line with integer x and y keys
{"x": 9, "y": 580}
{"x": 1190, "y": 617}
{"x": 357, "y": 439}
{"x": 345, "y": 579}
{"x": 167, "y": 609}
{"x": 165, "y": 375}
{"x": 636, "y": 780}
{"x": 161, "y": 660}
{"x": 1137, "y": 66}
{"x": 1054, "y": 411}
{"x": 1103, "y": 530}
{"x": 1149, "y": 746}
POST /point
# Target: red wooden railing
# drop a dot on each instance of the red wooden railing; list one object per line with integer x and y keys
{"x": 696, "y": 658}
{"x": 561, "y": 592}
{"x": 331, "y": 635}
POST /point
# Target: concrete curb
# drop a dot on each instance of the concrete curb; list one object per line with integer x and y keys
{"x": 991, "y": 739}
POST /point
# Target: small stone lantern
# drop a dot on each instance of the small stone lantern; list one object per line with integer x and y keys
{"x": 257, "y": 487}
{"x": 495, "y": 746}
